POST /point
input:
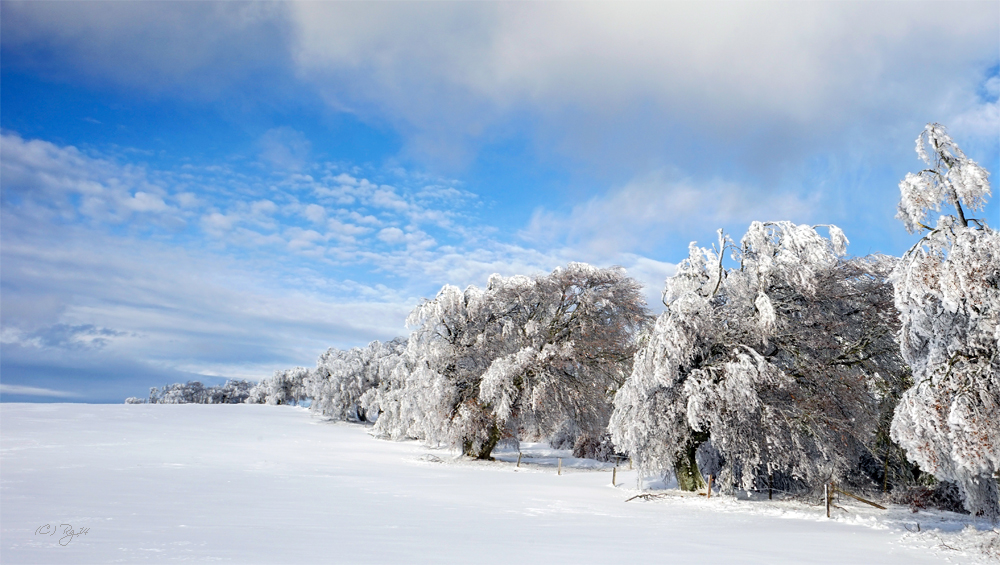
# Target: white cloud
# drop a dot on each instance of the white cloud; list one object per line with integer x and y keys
{"x": 35, "y": 391}
{"x": 232, "y": 207}
{"x": 368, "y": 219}
{"x": 635, "y": 216}
{"x": 344, "y": 178}
{"x": 284, "y": 148}
{"x": 188, "y": 200}
{"x": 386, "y": 197}
{"x": 217, "y": 223}
{"x": 627, "y": 81}
{"x": 652, "y": 274}
{"x": 145, "y": 202}
{"x": 168, "y": 307}
{"x": 632, "y": 86}
{"x": 392, "y": 235}
{"x": 445, "y": 193}
{"x": 978, "y": 123}
{"x": 263, "y": 208}
{"x": 48, "y": 178}
{"x": 314, "y": 213}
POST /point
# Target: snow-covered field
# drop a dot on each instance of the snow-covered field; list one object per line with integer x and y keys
{"x": 274, "y": 484}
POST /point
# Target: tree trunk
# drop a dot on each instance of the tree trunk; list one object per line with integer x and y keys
{"x": 686, "y": 464}
{"x": 486, "y": 448}
{"x": 982, "y": 497}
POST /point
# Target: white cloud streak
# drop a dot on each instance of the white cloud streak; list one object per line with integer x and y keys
{"x": 20, "y": 390}
{"x": 640, "y": 214}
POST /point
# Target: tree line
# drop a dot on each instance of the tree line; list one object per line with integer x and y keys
{"x": 778, "y": 359}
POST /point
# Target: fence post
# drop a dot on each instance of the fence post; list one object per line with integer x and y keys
{"x": 614, "y": 475}
{"x": 826, "y": 496}
{"x": 770, "y": 485}
{"x": 560, "y": 467}
{"x": 710, "y": 478}
{"x": 885, "y": 482}
{"x": 518, "y": 458}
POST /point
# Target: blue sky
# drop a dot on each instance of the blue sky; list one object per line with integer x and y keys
{"x": 218, "y": 190}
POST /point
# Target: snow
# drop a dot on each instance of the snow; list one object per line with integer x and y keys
{"x": 276, "y": 484}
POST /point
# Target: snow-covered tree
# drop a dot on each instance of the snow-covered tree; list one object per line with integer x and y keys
{"x": 285, "y": 387}
{"x": 522, "y": 356}
{"x": 778, "y": 364}
{"x": 194, "y": 392}
{"x": 342, "y": 377}
{"x": 947, "y": 290}
{"x": 570, "y": 338}
{"x": 232, "y": 392}
{"x": 432, "y": 394}
{"x": 191, "y": 392}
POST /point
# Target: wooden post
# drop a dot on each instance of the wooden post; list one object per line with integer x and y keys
{"x": 827, "y": 495}
{"x": 560, "y": 467}
{"x": 770, "y": 485}
{"x": 885, "y": 471}
{"x": 518, "y": 458}
{"x": 629, "y": 463}
{"x": 614, "y": 475}
{"x": 710, "y": 478}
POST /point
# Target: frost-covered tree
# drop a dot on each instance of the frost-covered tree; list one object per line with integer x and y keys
{"x": 232, "y": 392}
{"x": 569, "y": 338}
{"x": 191, "y": 392}
{"x": 342, "y": 377}
{"x": 522, "y": 356}
{"x": 284, "y": 387}
{"x": 779, "y": 364}
{"x": 433, "y": 394}
{"x": 947, "y": 290}
{"x": 194, "y": 392}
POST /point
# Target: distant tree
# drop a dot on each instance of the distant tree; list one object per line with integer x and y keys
{"x": 194, "y": 392}
{"x": 191, "y": 392}
{"x": 284, "y": 387}
{"x": 522, "y": 356}
{"x": 780, "y": 364}
{"x": 947, "y": 290}
{"x": 232, "y": 392}
{"x": 342, "y": 377}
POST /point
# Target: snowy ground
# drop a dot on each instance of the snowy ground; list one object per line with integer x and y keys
{"x": 270, "y": 484}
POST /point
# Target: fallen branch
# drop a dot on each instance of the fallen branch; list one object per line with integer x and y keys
{"x": 856, "y": 497}
{"x": 647, "y": 496}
